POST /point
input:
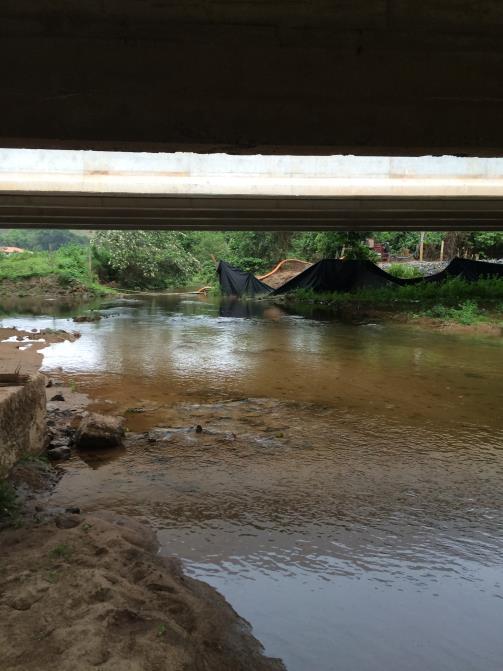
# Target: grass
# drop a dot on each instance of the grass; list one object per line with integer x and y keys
{"x": 452, "y": 300}
{"x": 61, "y": 551}
{"x": 9, "y": 506}
{"x": 404, "y": 271}
{"x": 52, "y": 577}
{"x": 450, "y": 292}
{"x": 40, "y": 459}
{"x": 467, "y": 313}
{"x": 70, "y": 265}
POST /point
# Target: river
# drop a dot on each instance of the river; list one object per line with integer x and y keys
{"x": 346, "y": 492}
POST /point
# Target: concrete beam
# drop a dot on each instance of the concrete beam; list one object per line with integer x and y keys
{"x": 210, "y": 192}
{"x": 271, "y": 213}
{"x": 307, "y": 77}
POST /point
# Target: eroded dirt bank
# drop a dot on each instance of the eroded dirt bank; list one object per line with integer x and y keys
{"x": 81, "y": 591}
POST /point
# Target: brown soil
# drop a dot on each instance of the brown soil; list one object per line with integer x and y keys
{"x": 286, "y": 273}
{"x": 41, "y": 286}
{"x": 82, "y": 592}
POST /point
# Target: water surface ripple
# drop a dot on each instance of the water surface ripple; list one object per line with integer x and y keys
{"x": 346, "y": 493}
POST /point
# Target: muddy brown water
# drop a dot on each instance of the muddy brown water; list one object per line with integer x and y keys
{"x": 346, "y": 493}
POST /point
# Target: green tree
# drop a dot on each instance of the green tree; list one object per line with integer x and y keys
{"x": 144, "y": 259}
{"x": 258, "y": 251}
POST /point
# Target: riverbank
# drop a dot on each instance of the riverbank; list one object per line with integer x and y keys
{"x": 81, "y": 591}
{"x": 450, "y": 306}
{"x": 65, "y": 272}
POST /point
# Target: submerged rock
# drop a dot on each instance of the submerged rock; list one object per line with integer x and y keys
{"x": 59, "y": 453}
{"x": 99, "y": 431}
{"x": 93, "y": 317}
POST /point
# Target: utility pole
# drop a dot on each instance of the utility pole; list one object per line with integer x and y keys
{"x": 421, "y": 246}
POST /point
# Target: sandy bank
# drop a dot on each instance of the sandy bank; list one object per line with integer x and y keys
{"x": 22, "y": 348}
{"x": 79, "y": 592}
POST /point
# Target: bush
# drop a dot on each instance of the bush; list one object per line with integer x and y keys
{"x": 467, "y": 313}
{"x": 404, "y": 271}
{"x": 449, "y": 293}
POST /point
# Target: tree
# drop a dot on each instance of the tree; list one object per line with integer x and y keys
{"x": 257, "y": 251}
{"x": 143, "y": 259}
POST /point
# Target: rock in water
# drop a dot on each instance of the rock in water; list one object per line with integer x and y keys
{"x": 99, "y": 431}
{"x": 58, "y": 453}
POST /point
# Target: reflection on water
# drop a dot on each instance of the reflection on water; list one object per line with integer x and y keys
{"x": 346, "y": 492}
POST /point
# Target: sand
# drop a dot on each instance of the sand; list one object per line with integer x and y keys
{"x": 97, "y": 596}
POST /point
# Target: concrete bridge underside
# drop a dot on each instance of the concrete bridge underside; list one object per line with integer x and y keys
{"x": 90, "y": 190}
{"x": 271, "y": 213}
{"x": 378, "y": 77}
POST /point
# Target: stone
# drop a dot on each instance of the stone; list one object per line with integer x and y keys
{"x": 23, "y": 429}
{"x": 93, "y": 317}
{"x": 58, "y": 397}
{"x": 59, "y": 441}
{"x": 99, "y": 431}
{"x": 74, "y": 510}
{"x": 66, "y": 522}
{"x": 59, "y": 453}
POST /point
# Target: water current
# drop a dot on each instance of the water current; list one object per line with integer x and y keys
{"x": 346, "y": 493}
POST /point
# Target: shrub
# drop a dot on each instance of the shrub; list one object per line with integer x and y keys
{"x": 404, "y": 271}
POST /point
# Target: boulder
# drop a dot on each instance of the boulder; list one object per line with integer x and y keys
{"x": 99, "y": 431}
{"x": 59, "y": 453}
{"x": 93, "y": 317}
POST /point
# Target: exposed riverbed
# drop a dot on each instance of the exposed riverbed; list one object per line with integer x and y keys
{"x": 345, "y": 494}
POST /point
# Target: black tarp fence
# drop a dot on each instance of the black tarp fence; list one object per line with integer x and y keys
{"x": 346, "y": 276}
{"x": 468, "y": 270}
{"x": 237, "y": 282}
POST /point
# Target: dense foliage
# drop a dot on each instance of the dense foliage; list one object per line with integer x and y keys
{"x": 143, "y": 259}
{"x": 159, "y": 259}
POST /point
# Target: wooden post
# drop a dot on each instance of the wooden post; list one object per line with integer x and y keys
{"x": 442, "y": 250}
{"x": 421, "y": 246}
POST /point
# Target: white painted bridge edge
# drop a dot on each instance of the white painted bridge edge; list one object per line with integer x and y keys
{"x": 186, "y": 174}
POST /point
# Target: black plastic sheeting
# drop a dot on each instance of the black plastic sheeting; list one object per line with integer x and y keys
{"x": 468, "y": 270}
{"x": 346, "y": 276}
{"x": 334, "y": 275}
{"x": 237, "y": 282}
